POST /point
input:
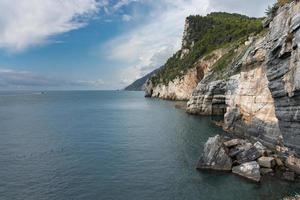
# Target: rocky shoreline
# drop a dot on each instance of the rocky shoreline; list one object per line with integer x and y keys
{"x": 251, "y": 160}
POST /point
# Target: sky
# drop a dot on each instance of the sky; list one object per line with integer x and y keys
{"x": 95, "y": 44}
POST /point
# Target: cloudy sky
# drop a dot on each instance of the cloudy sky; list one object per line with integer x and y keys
{"x": 95, "y": 44}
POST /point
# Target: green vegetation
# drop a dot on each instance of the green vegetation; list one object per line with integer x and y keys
{"x": 223, "y": 62}
{"x": 271, "y": 11}
{"x": 208, "y": 33}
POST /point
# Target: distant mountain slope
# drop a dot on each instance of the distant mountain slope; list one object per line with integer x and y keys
{"x": 138, "y": 84}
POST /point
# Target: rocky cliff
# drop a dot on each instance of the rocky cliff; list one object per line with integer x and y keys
{"x": 205, "y": 40}
{"x": 253, "y": 81}
{"x": 283, "y": 71}
{"x": 261, "y": 93}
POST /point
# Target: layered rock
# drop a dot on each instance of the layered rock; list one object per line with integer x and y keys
{"x": 283, "y": 71}
{"x": 208, "y": 99}
{"x": 178, "y": 89}
{"x": 250, "y": 106}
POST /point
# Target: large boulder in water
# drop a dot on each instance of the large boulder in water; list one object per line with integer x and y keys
{"x": 250, "y": 170}
{"x": 214, "y": 156}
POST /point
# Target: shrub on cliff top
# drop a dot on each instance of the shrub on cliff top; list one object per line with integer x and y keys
{"x": 283, "y": 2}
{"x": 208, "y": 33}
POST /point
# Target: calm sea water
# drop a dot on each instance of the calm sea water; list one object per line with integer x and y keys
{"x": 110, "y": 145}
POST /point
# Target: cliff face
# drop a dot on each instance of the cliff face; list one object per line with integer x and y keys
{"x": 261, "y": 93}
{"x": 283, "y": 71}
{"x": 205, "y": 40}
{"x": 178, "y": 89}
{"x": 181, "y": 88}
{"x": 250, "y": 106}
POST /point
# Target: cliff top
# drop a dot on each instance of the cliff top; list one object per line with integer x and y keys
{"x": 202, "y": 35}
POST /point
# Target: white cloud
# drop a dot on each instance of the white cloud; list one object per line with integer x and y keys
{"x": 162, "y": 34}
{"x": 26, "y": 23}
{"x": 122, "y": 3}
{"x": 254, "y": 8}
{"x": 90, "y": 83}
{"x": 149, "y": 45}
{"x": 126, "y": 18}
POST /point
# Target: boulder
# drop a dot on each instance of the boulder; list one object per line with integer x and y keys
{"x": 239, "y": 149}
{"x": 244, "y": 147}
{"x": 248, "y": 155}
{"x": 261, "y": 148}
{"x": 264, "y": 171}
{"x": 282, "y": 150}
{"x": 214, "y": 156}
{"x": 279, "y": 162}
{"x": 250, "y": 170}
{"x": 293, "y": 163}
{"x": 234, "y": 142}
{"x": 234, "y": 151}
{"x": 268, "y": 162}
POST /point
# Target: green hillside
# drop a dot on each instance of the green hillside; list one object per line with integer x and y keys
{"x": 208, "y": 33}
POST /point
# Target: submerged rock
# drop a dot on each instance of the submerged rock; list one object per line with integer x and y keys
{"x": 268, "y": 162}
{"x": 289, "y": 176}
{"x": 214, "y": 156}
{"x": 250, "y": 170}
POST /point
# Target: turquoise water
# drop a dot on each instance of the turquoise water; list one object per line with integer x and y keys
{"x": 110, "y": 145}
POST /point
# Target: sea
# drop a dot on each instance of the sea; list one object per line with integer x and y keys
{"x": 111, "y": 145}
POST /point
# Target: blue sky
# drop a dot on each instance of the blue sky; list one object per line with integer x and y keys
{"x": 95, "y": 44}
